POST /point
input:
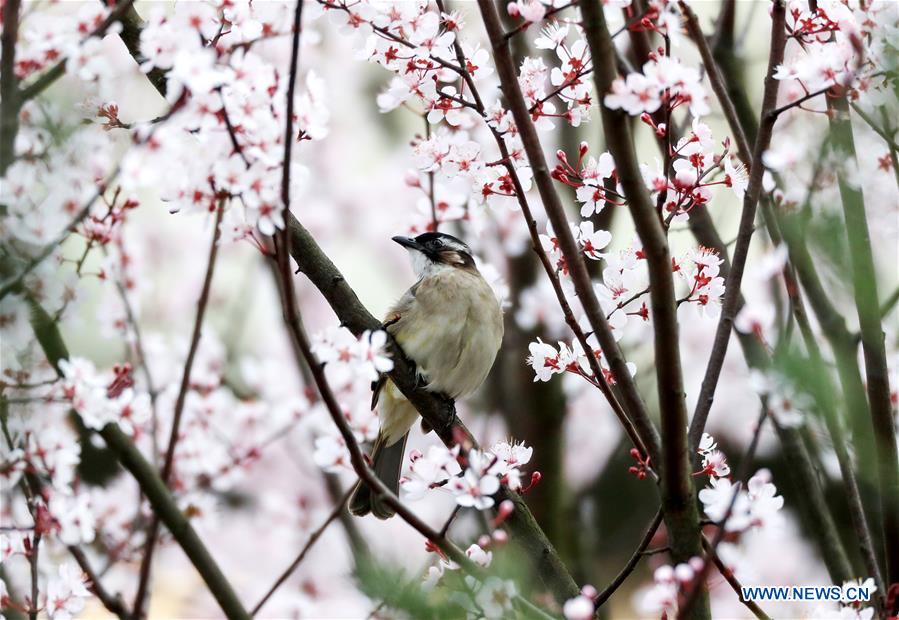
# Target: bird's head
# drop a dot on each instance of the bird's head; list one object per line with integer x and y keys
{"x": 433, "y": 251}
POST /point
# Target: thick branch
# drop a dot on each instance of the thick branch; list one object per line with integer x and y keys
{"x": 556, "y": 213}
{"x": 867, "y": 303}
{"x": 152, "y": 486}
{"x": 9, "y": 96}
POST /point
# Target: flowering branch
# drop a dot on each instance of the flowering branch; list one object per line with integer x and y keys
{"x": 677, "y": 488}
{"x": 164, "y": 506}
{"x": 747, "y": 219}
{"x": 121, "y": 10}
{"x": 14, "y": 282}
{"x": 740, "y": 117}
{"x": 580, "y": 277}
{"x": 642, "y": 433}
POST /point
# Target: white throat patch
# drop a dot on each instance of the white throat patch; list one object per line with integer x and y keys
{"x": 423, "y": 265}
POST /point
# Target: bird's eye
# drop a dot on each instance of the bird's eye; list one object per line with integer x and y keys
{"x": 438, "y": 243}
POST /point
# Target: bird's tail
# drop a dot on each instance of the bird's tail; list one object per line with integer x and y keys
{"x": 387, "y": 462}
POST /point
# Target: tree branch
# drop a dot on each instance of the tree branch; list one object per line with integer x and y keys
{"x": 867, "y": 303}
{"x": 113, "y": 603}
{"x": 632, "y": 562}
{"x": 556, "y": 213}
{"x": 121, "y": 12}
{"x": 747, "y": 220}
{"x": 678, "y": 501}
{"x": 9, "y": 96}
{"x": 733, "y": 95}
{"x": 14, "y": 282}
{"x": 164, "y": 506}
{"x": 339, "y": 507}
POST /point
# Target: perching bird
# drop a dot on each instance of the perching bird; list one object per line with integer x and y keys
{"x": 451, "y": 325}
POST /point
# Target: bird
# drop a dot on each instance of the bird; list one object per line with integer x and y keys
{"x": 450, "y": 324}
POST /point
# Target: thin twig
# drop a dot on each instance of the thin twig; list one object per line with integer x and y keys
{"x": 737, "y": 587}
{"x": 719, "y": 86}
{"x": 880, "y": 131}
{"x": 434, "y": 222}
{"x": 168, "y": 463}
{"x": 632, "y": 562}
{"x": 15, "y": 281}
{"x": 33, "y": 559}
{"x": 744, "y": 235}
{"x": 890, "y": 303}
{"x": 58, "y": 70}
{"x": 773, "y": 114}
{"x": 524, "y": 25}
{"x": 113, "y": 603}
{"x": 339, "y": 507}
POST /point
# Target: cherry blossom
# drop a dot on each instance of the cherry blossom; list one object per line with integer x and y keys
{"x": 479, "y": 556}
{"x": 427, "y": 471}
{"x": 495, "y": 596}
{"x": 477, "y": 484}
{"x": 66, "y": 593}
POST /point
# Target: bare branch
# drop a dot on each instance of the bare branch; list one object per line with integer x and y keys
{"x": 168, "y": 463}
{"x": 632, "y": 562}
{"x": 339, "y": 507}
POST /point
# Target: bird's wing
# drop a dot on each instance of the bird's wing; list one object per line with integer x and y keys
{"x": 392, "y": 323}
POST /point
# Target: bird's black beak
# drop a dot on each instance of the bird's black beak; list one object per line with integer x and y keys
{"x": 407, "y": 242}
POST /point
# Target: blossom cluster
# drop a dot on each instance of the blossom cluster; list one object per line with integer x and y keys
{"x": 664, "y": 80}
{"x": 473, "y": 486}
{"x": 101, "y": 398}
{"x": 669, "y": 585}
{"x": 351, "y": 365}
{"x": 831, "y": 50}
{"x": 726, "y": 503}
